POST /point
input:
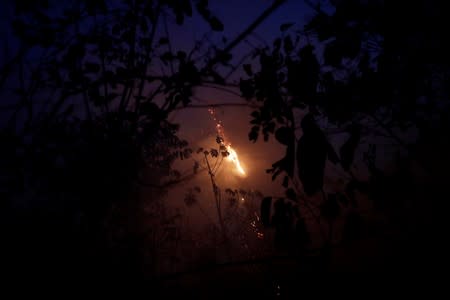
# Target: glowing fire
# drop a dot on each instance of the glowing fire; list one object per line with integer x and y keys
{"x": 233, "y": 157}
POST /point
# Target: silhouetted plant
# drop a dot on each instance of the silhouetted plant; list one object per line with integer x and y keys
{"x": 90, "y": 115}
{"x": 347, "y": 72}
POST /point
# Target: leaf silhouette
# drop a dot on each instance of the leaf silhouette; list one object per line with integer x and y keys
{"x": 288, "y": 45}
{"x": 285, "y": 181}
{"x": 284, "y": 27}
{"x": 291, "y": 195}
{"x": 347, "y": 151}
{"x": 215, "y": 24}
{"x": 247, "y": 88}
{"x": 248, "y": 69}
{"x": 332, "y": 155}
{"x": 312, "y": 152}
{"x": 253, "y": 135}
{"x": 214, "y": 152}
{"x": 285, "y": 136}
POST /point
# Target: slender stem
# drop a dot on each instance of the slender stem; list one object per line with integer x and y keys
{"x": 217, "y": 198}
{"x": 166, "y": 31}
{"x": 147, "y": 61}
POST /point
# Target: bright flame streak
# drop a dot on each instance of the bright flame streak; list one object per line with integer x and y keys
{"x": 234, "y": 158}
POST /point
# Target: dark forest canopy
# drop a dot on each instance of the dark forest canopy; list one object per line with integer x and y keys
{"x": 85, "y": 108}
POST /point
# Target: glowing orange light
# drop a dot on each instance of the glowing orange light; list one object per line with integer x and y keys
{"x": 233, "y": 157}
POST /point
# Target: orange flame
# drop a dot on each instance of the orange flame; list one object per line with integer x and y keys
{"x": 233, "y": 157}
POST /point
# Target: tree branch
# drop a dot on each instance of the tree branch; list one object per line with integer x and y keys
{"x": 246, "y": 32}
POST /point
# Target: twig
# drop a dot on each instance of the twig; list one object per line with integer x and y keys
{"x": 246, "y": 32}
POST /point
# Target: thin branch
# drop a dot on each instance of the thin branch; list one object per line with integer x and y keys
{"x": 390, "y": 132}
{"x": 276, "y": 4}
{"x": 236, "y": 67}
{"x": 169, "y": 43}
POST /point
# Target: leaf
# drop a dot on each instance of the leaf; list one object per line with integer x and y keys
{"x": 219, "y": 140}
{"x": 187, "y": 152}
{"x": 214, "y": 153}
{"x": 286, "y": 164}
{"x": 181, "y": 55}
{"x": 255, "y": 114}
{"x": 179, "y": 18}
{"x": 253, "y": 135}
{"x": 284, "y": 27}
{"x": 312, "y": 151}
{"x": 217, "y": 78}
{"x": 190, "y": 199}
{"x": 290, "y": 194}
{"x": 285, "y": 136}
{"x": 288, "y": 45}
{"x": 248, "y": 69}
{"x": 348, "y": 149}
{"x": 215, "y": 24}
{"x": 186, "y": 7}
{"x": 285, "y": 181}
{"x": 167, "y": 56}
{"x": 196, "y": 167}
{"x": 333, "y": 54}
{"x": 266, "y": 204}
{"x": 202, "y": 8}
{"x": 277, "y": 44}
{"x": 354, "y": 185}
{"x": 332, "y": 156}
{"x": 247, "y": 88}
